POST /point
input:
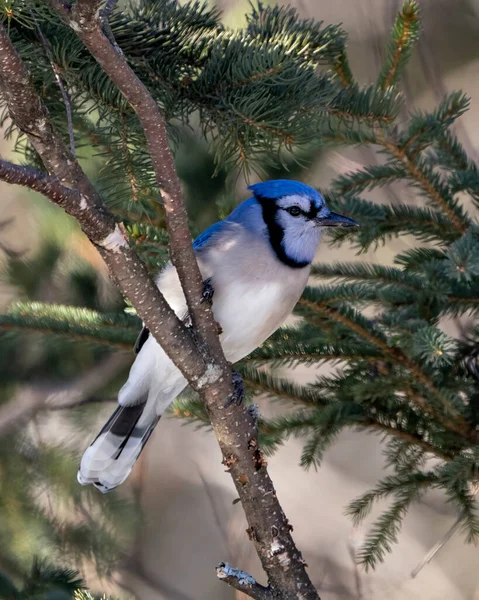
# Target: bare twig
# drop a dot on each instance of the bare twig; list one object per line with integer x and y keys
{"x": 56, "y": 71}
{"x": 435, "y": 549}
{"x": 105, "y": 14}
{"x": 446, "y": 537}
{"x": 354, "y": 545}
{"x": 211, "y": 498}
{"x": 243, "y": 582}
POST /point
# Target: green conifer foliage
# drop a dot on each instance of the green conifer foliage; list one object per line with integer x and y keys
{"x": 47, "y": 582}
{"x": 262, "y": 94}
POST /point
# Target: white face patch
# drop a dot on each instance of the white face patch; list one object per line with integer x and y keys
{"x": 301, "y": 234}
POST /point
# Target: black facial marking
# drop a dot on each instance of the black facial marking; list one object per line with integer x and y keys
{"x": 276, "y": 233}
{"x": 312, "y": 212}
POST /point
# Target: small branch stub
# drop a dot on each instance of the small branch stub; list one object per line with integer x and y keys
{"x": 243, "y": 582}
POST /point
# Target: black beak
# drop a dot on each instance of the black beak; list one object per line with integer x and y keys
{"x": 336, "y": 220}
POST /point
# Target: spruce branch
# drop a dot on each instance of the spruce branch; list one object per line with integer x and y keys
{"x": 406, "y": 490}
{"x": 264, "y": 383}
{"x": 426, "y": 127}
{"x": 76, "y": 323}
{"x": 453, "y": 421}
{"x": 382, "y": 222}
{"x": 369, "y": 272}
{"x": 368, "y": 105}
{"x": 369, "y": 178}
{"x": 414, "y": 439}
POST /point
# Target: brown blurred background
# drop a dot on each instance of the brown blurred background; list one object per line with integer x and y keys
{"x": 190, "y": 521}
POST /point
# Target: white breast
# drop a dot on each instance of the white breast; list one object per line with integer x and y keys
{"x": 254, "y": 291}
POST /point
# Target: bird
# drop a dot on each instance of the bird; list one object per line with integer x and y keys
{"x": 256, "y": 262}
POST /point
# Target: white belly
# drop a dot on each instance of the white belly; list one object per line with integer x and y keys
{"x": 253, "y": 296}
{"x": 249, "y": 314}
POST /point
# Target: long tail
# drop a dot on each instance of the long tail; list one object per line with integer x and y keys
{"x": 152, "y": 385}
{"x": 110, "y": 458}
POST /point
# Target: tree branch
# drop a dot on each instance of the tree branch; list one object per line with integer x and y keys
{"x": 206, "y": 370}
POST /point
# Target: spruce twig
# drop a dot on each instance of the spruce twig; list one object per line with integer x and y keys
{"x": 404, "y": 35}
{"x": 457, "y": 423}
{"x": 342, "y": 68}
{"x": 418, "y": 175}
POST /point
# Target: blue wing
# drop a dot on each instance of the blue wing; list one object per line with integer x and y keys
{"x": 204, "y": 237}
{"x": 242, "y": 214}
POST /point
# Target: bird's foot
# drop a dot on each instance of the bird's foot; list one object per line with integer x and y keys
{"x": 238, "y": 394}
{"x": 206, "y": 296}
{"x": 208, "y": 291}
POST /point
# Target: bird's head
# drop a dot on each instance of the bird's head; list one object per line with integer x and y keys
{"x": 295, "y": 214}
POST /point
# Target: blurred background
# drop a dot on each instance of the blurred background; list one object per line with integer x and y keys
{"x": 161, "y": 536}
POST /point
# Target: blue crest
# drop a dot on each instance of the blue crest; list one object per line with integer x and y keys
{"x": 278, "y": 188}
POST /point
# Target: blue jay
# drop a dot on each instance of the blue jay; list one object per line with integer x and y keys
{"x": 258, "y": 261}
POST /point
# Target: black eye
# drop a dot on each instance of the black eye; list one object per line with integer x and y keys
{"x": 294, "y": 211}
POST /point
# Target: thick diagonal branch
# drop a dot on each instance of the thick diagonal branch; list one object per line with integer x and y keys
{"x": 205, "y": 369}
{"x": 86, "y": 20}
